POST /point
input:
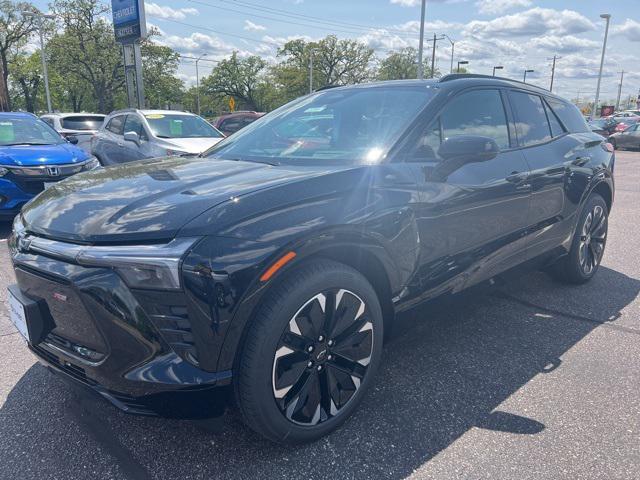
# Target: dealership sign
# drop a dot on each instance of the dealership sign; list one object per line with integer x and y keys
{"x": 129, "y": 22}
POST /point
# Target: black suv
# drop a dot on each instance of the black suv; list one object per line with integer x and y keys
{"x": 269, "y": 267}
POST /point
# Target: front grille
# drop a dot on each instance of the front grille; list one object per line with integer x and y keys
{"x": 32, "y": 185}
{"x": 32, "y": 179}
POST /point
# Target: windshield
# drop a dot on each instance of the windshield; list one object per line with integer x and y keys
{"x": 180, "y": 126}
{"x": 27, "y": 131}
{"x": 356, "y": 125}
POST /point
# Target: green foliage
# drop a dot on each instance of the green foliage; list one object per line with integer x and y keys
{"x": 160, "y": 65}
{"x": 26, "y": 78}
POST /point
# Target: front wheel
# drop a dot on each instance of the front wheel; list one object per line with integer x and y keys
{"x": 310, "y": 353}
{"x": 589, "y": 241}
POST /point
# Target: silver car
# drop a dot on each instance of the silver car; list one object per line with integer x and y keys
{"x": 630, "y": 138}
{"x": 132, "y": 134}
{"x": 81, "y": 126}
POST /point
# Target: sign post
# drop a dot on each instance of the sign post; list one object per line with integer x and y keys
{"x": 130, "y": 26}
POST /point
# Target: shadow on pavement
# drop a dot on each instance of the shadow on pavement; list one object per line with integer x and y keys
{"x": 447, "y": 369}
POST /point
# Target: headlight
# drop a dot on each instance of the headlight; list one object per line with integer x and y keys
{"x": 3, "y": 171}
{"x": 141, "y": 266}
{"x": 92, "y": 163}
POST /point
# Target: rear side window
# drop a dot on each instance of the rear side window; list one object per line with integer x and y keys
{"x": 116, "y": 125}
{"x": 569, "y": 115}
{"x": 531, "y": 120}
{"x": 82, "y": 122}
{"x": 556, "y": 127}
{"x": 479, "y": 112}
{"x": 48, "y": 121}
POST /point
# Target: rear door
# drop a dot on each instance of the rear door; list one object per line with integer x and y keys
{"x": 110, "y": 141}
{"x": 473, "y": 216}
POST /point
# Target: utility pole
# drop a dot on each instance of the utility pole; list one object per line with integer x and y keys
{"x": 553, "y": 71}
{"x": 421, "y": 44}
{"x": 198, "y": 83}
{"x": 311, "y": 52}
{"x": 619, "y": 90}
{"x": 433, "y": 55}
{"x": 607, "y": 18}
{"x": 40, "y": 17}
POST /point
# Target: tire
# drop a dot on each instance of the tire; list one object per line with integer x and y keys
{"x": 282, "y": 388}
{"x": 587, "y": 248}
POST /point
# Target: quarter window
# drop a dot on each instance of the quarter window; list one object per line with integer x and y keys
{"x": 531, "y": 120}
{"x": 556, "y": 127}
{"x": 569, "y": 115}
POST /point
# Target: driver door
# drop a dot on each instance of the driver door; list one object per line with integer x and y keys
{"x": 477, "y": 210}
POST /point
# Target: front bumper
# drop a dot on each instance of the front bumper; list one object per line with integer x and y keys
{"x": 118, "y": 342}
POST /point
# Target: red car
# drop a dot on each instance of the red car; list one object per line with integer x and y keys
{"x": 232, "y": 122}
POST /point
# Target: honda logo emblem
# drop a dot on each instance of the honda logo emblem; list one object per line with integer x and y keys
{"x": 53, "y": 171}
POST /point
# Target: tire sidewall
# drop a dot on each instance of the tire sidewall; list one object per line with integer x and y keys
{"x": 574, "y": 255}
{"x": 299, "y": 289}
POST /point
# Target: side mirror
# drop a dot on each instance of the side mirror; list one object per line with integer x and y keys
{"x": 73, "y": 140}
{"x": 132, "y": 137}
{"x": 468, "y": 149}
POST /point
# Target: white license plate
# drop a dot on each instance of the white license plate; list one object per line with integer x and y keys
{"x": 48, "y": 184}
{"x": 18, "y": 316}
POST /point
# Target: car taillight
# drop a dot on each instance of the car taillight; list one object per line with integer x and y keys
{"x": 608, "y": 147}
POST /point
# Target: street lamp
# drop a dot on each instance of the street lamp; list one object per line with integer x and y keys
{"x": 524, "y": 79}
{"x": 462, "y": 62}
{"x": 421, "y": 42}
{"x": 607, "y": 18}
{"x": 40, "y": 17}
{"x": 497, "y": 67}
{"x": 198, "y": 83}
{"x": 452, "y": 47}
{"x": 311, "y": 52}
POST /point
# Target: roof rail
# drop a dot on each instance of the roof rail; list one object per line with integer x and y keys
{"x": 327, "y": 87}
{"x": 456, "y": 76}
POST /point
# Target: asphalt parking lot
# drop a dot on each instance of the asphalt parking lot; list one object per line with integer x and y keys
{"x": 527, "y": 379}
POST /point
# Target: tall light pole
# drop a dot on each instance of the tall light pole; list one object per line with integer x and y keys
{"x": 311, "y": 52}
{"x": 421, "y": 44}
{"x": 524, "y": 79}
{"x": 198, "y": 82}
{"x": 607, "y": 18}
{"x": 461, "y": 62}
{"x": 40, "y": 17}
{"x": 553, "y": 71}
{"x": 497, "y": 67}
{"x": 452, "y": 48}
{"x": 619, "y": 90}
{"x": 433, "y": 54}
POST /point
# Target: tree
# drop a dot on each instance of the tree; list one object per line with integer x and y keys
{"x": 27, "y": 77}
{"x": 402, "y": 65}
{"x": 160, "y": 66}
{"x": 240, "y": 78}
{"x": 87, "y": 51}
{"x": 15, "y": 30}
{"x": 335, "y": 62}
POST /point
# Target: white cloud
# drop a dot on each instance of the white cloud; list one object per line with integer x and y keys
{"x": 536, "y": 21}
{"x": 155, "y": 10}
{"x": 415, "y": 3}
{"x": 630, "y": 29}
{"x": 253, "y": 27}
{"x": 564, "y": 44}
{"x": 490, "y": 7}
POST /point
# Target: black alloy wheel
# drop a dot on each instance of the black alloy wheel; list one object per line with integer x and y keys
{"x": 592, "y": 239}
{"x": 322, "y": 357}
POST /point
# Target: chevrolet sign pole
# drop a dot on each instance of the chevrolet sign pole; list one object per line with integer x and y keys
{"x": 130, "y": 26}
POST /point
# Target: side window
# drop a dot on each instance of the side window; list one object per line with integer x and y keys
{"x": 134, "y": 124}
{"x": 479, "y": 112}
{"x": 48, "y": 121}
{"x": 569, "y": 115}
{"x": 531, "y": 120}
{"x": 116, "y": 125}
{"x": 556, "y": 127}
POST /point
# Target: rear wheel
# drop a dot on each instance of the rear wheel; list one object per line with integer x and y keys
{"x": 589, "y": 241}
{"x": 310, "y": 353}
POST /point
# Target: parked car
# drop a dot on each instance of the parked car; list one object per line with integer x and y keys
{"x": 625, "y": 114}
{"x": 33, "y": 156}
{"x": 629, "y": 138}
{"x": 131, "y": 134}
{"x": 232, "y": 122}
{"x": 603, "y": 126}
{"x": 622, "y": 125}
{"x": 82, "y": 126}
{"x": 270, "y": 266}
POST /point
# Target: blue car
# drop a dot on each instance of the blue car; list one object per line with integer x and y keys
{"x": 32, "y": 157}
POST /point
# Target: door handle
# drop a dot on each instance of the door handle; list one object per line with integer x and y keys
{"x": 517, "y": 177}
{"x": 120, "y": 144}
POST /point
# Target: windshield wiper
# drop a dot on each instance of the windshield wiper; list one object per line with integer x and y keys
{"x": 273, "y": 164}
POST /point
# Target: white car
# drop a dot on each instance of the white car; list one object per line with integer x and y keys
{"x": 81, "y": 126}
{"x": 129, "y": 135}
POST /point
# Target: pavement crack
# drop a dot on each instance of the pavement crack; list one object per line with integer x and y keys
{"x": 573, "y": 316}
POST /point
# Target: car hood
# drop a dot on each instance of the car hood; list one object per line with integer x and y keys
{"x": 34, "y": 155}
{"x": 149, "y": 200}
{"x": 192, "y": 145}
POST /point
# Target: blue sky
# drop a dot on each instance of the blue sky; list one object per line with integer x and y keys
{"x": 517, "y": 34}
